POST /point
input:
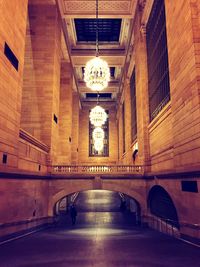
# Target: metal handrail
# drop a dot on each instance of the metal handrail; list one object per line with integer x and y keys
{"x": 168, "y": 226}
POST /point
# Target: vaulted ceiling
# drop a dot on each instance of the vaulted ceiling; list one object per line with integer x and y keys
{"x": 115, "y": 32}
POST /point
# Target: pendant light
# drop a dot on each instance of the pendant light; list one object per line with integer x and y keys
{"x": 97, "y": 72}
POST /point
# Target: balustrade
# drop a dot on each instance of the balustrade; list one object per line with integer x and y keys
{"x": 104, "y": 169}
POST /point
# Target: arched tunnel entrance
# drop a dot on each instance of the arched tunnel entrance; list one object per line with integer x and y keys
{"x": 98, "y": 207}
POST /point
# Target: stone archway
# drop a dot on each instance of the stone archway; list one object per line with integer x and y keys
{"x": 160, "y": 204}
{"x": 134, "y": 188}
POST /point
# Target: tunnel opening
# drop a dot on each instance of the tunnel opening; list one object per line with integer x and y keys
{"x": 161, "y": 205}
{"x": 98, "y": 207}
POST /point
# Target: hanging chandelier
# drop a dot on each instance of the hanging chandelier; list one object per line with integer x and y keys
{"x": 97, "y": 72}
{"x": 98, "y": 134}
{"x": 98, "y": 116}
{"x": 98, "y": 137}
{"x": 98, "y": 145}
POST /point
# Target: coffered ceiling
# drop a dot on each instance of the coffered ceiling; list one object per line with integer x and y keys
{"x": 115, "y": 31}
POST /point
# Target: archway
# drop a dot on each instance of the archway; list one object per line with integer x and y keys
{"x": 161, "y": 205}
{"x": 99, "y": 201}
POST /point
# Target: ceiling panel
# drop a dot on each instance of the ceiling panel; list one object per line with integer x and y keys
{"x": 111, "y": 7}
{"x": 108, "y": 30}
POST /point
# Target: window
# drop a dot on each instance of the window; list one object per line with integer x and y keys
{"x": 11, "y": 56}
{"x": 105, "y": 151}
{"x": 157, "y": 58}
{"x": 189, "y": 186}
{"x": 133, "y": 107}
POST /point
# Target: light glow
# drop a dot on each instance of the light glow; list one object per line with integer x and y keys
{"x": 98, "y": 116}
{"x": 98, "y": 134}
{"x": 97, "y": 74}
{"x": 98, "y": 145}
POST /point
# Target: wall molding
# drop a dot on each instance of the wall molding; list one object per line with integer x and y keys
{"x": 32, "y": 140}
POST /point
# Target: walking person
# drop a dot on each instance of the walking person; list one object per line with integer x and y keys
{"x": 73, "y": 214}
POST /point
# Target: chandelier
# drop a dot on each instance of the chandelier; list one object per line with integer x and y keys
{"x": 98, "y": 134}
{"x": 98, "y": 116}
{"x": 97, "y": 73}
{"x": 98, "y": 145}
{"x": 98, "y": 137}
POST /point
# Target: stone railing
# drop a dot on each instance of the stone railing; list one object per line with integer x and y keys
{"x": 97, "y": 169}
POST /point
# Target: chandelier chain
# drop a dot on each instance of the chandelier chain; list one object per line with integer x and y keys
{"x": 97, "y": 72}
{"x": 97, "y": 29}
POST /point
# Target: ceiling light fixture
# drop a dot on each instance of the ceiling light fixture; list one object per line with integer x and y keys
{"x": 98, "y": 116}
{"x": 98, "y": 145}
{"x": 97, "y": 72}
{"x": 98, "y": 134}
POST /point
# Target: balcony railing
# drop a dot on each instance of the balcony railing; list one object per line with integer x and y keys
{"x": 98, "y": 169}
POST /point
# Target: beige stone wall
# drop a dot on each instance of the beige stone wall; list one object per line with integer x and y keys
{"x": 32, "y": 154}
{"x": 161, "y": 142}
{"x": 22, "y": 200}
{"x": 12, "y": 31}
{"x": 41, "y": 84}
{"x": 84, "y": 136}
{"x": 182, "y": 30}
{"x": 172, "y": 140}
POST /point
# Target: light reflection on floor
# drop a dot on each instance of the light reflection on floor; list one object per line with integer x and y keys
{"x": 98, "y": 231}
{"x": 98, "y": 201}
{"x": 98, "y": 197}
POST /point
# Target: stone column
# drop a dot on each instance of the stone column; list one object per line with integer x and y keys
{"x": 75, "y": 127}
{"x": 41, "y": 87}
{"x": 142, "y": 99}
{"x": 127, "y": 99}
{"x": 65, "y": 115}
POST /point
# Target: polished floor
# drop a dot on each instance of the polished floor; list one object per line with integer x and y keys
{"x": 102, "y": 237}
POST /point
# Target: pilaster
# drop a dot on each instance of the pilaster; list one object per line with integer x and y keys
{"x": 65, "y": 115}
{"x": 141, "y": 91}
{"x": 41, "y": 85}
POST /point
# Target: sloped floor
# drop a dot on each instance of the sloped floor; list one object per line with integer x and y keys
{"x": 102, "y": 237}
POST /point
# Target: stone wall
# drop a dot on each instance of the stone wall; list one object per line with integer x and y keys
{"x": 12, "y": 31}
{"x": 41, "y": 84}
{"x": 24, "y": 204}
{"x": 182, "y": 31}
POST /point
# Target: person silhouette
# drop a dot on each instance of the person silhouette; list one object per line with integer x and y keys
{"x": 73, "y": 214}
